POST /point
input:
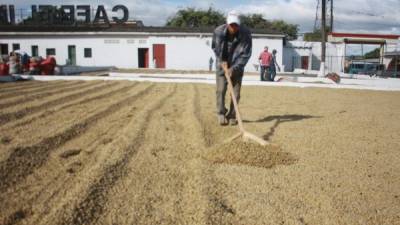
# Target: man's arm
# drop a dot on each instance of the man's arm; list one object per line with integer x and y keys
{"x": 213, "y": 42}
{"x": 216, "y": 42}
{"x": 277, "y": 65}
{"x": 245, "y": 53}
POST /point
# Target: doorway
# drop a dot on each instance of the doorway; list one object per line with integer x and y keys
{"x": 4, "y": 49}
{"x": 72, "y": 55}
{"x": 159, "y": 55}
{"x": 304, "y": 62}
{"x": 143, "y": 57}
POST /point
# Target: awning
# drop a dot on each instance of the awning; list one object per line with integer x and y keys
{"x": 365, "y": 41}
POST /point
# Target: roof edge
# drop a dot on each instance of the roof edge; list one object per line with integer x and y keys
{"x": 102, "y": 33}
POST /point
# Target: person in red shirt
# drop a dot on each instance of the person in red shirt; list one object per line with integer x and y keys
{"x": 47, "y": 66}
{"x": 4, "y": 69}
{"x": 265, "y": 64}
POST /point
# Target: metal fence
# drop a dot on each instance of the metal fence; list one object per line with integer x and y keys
{"x": 386, "y": 66}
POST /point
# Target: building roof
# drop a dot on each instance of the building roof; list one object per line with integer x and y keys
{"x": 120, "y": 29}
{"x": 350, "y": 38}
{"x": 372, "y": 36}
{"x": 392, "y": 54}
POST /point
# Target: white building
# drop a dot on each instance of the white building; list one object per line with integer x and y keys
{"x": 180, "y": 49}
{"x": 307, "y": 56}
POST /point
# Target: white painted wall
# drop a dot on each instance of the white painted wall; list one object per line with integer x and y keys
{"x": 182, "y": 52}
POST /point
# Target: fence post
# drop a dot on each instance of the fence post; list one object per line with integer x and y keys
{"x": 395, "y": 66}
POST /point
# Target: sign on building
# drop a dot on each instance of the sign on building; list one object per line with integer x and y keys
{"x": 65, "y": 14}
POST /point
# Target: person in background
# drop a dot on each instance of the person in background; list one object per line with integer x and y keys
{"x": 232, "y": 45}
{"x": 154, "y": 63}
{"x": 25, "y": 62}
{"x": 34, "y": 66}
{"x": 13, "y": 64}
{"x": 274, "y": 65}
{"x": 4, "y": 69}
{"x": 210, "y": 64}
{"x": 265, "y": 62}
{"x": 47, "y": 66}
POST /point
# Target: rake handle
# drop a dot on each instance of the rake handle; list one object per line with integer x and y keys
{"x": 243, "y": 133}
{"x": 233, "y": 96}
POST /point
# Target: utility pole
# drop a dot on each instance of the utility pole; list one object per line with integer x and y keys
{"x": 323, "y": 47}
{"x": 331, "y": 15}
{"x": 316, "y": 17}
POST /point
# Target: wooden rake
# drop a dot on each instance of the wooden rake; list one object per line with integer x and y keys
{"x": 242, "y": 133}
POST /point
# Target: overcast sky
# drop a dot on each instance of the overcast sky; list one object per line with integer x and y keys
{"x": 366, "y": 16}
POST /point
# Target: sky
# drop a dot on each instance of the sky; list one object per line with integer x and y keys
{"x": 355, "y": 16}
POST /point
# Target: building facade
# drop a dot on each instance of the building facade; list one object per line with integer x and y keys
{"x": 144, "y": 48}
{"x": 307, "y": 55}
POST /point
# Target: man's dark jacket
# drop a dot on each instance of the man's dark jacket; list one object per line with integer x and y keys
{"x": 241, "y": 53}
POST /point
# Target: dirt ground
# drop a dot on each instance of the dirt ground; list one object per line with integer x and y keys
{"x": 145, "y": 153}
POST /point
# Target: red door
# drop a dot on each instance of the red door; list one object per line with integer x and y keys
{"x": 159, "y": 55}
{"x": 304, "y": 62}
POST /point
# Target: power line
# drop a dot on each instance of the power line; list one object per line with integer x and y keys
{"x": 365, "y": 13}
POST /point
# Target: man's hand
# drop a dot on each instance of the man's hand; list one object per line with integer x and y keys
{"x": 224, "y": 66}
{"x": 226, "y": 69}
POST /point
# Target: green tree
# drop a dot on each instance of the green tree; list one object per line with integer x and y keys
{"x": 316, "y": 35}
{"x": 376, "y": 53}
{"x": 255, "y": 21}
{"x": 192, "y": 17}
{"x": 290, "y": 30}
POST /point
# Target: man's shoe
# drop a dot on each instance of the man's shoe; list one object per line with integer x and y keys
{"x": 222, "y": 120}
{"x": 233, "y": 122}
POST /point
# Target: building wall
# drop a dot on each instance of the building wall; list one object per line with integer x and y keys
{"x": 182, "y": 52}
{"x": 294, "y": 50}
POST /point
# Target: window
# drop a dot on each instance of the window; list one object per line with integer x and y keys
{"x": 16, "y": 47}
{"x": 4, "y": 49}
{"x": 50, "y": 51}
{"x": 88, "y": 52}
{"x": 35, "y": 50}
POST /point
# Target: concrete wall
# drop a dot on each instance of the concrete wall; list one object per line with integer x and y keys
{"x": 182, "y": 52}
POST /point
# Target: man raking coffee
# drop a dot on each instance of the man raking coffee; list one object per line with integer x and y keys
{"x": 232, "y": 45}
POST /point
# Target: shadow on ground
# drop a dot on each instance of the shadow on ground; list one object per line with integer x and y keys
{"x": 278, "y": 120}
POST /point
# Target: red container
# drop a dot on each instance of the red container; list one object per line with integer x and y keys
{"x": 4, "y": 69}
{"x": 48, "y": 65}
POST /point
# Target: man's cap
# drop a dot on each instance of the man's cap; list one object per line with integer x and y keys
{"x": 233, "y": 17}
